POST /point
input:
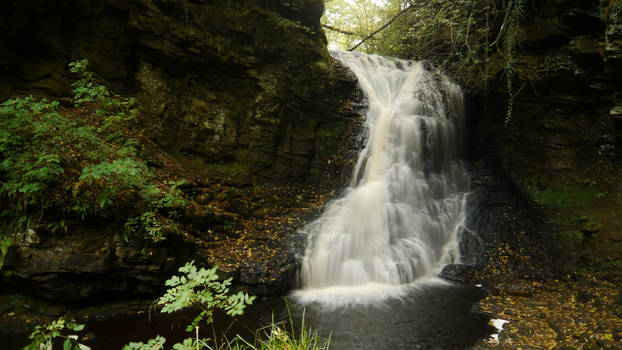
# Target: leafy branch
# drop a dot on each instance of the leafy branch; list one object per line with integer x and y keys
{"x": 42, "y": 337}
{"x": 201, "y": 287}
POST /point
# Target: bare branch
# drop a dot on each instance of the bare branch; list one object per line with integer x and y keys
{"x": 381, "y": 28}
{"x": 338, "y": 30}
{"x": 505, "y": 21}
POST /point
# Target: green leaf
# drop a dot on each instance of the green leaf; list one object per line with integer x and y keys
{"x": 188, "y": 344}
{"x": 67, "y": 344}
{"x": 152, "y": 344}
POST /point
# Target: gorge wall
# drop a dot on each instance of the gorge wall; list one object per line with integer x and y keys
{"x": 241, "y": 95}
{"x": 565, "y": 121}
{"x": 228, "y": 87}
{"x": 560, "y": 145}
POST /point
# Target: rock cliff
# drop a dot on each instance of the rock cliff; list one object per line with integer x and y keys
{"x": 564, "y": 124}
{"x": 229, "y": 88}
{"x": 560, "y": 147}
{"x": 241, "y": 96}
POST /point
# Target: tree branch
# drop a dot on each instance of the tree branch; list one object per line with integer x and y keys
{"x": 338, "y": 30}
{"x": 505, "y": 21}
{"x": 381, "y": 28}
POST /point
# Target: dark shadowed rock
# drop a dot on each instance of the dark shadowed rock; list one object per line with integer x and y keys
{"x": 92, "y": 261}
{"x": 242, "y": 92}
{"x": 232, "y": 89}
{"x": 458, "y": 273}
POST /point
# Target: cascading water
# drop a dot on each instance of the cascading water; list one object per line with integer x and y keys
{"x": 400, "y": 217}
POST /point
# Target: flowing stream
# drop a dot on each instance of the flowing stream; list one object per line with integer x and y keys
{"x": 399, "y": 220}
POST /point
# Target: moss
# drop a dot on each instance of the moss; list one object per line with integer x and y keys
{"x": 573, "y": 236}
{"x": 334, "y": 130}
{"x": 231, "y": 169}
{"x": 5, "y": 243}
{"x": 564, "y": 196}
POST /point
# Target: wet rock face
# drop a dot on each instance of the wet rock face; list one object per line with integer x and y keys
{"x": 564, "y": 123}
{"x": 229, "y": 88}
{"x": 243, "y": 82}
{"x": 94, "y": 262}
{"x": 613, "y": 40}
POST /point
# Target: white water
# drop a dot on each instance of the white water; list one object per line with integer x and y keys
{"x": 400, "y": 218}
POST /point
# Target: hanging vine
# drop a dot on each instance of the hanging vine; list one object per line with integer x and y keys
{"x": 509, "y": 30}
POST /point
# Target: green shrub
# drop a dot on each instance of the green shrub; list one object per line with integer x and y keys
{"x": 148, "y": 222}
{"x": 202, "y": 287}
{"x": 197, "y": 287}
{"x": 152, "y": 344}
{"x": 86, "y": 89}
{"x": 77, "y": 163}
{"x": 111, "y": 181}
{"x": 28, "y": 166}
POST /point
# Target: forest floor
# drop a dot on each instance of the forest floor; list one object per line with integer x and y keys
{"x": 579, "y": 310}
{"x": 579, "y": 305}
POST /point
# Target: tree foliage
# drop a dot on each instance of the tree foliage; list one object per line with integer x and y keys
{"x": 460, "y": 36}
{"x": 349, "y": 21}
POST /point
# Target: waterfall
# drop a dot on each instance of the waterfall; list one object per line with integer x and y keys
{"x": 400, "y": 218}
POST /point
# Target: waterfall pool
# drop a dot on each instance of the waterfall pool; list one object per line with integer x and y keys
{"x": 424, "y": 316}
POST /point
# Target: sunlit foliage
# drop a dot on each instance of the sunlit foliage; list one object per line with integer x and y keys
{"x": 351, "y": 21}
{"x": 460, "y": 36}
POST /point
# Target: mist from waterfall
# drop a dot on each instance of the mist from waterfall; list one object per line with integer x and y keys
{"x": 399, "y": 220}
